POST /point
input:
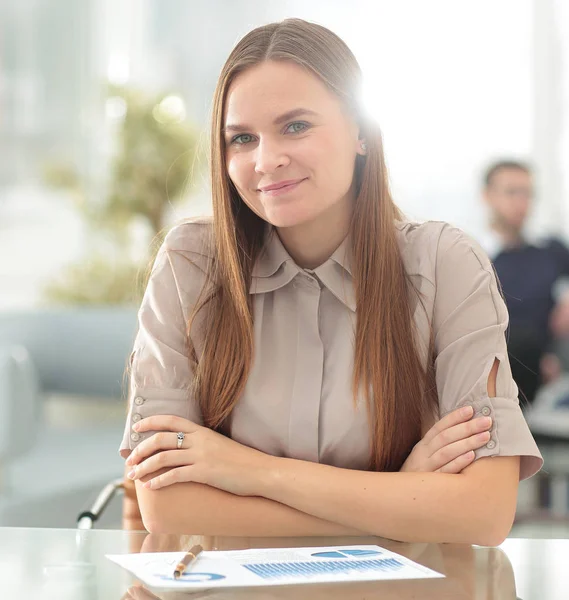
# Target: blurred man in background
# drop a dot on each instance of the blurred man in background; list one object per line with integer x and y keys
{"x": 530, "y": 274}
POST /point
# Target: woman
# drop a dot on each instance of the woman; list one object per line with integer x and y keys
{"x": 295, "y": 353}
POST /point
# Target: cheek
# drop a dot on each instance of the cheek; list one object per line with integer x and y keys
{"x": 508, "y": 207}
{"x": 242, "y": 173}
{"x": 336, "y": 160}
{"x": 236, "y": 171}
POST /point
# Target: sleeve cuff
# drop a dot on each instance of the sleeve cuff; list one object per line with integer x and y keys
{"x": 146, "y": 402}
{"x": 509, "y": 435}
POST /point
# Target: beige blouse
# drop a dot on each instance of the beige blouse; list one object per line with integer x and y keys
{"x": 298, "y": 400}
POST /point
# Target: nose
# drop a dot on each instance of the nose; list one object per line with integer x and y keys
{"x": 269, "y": 157}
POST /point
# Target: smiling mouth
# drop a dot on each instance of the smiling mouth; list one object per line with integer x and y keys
{"x": 282, "y": 189}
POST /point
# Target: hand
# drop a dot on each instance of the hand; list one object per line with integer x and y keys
{"x": 205, "y": 457}
{"x": 448, "y": 447}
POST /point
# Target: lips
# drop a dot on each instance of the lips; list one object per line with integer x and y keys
{"x": 280, "y": 185}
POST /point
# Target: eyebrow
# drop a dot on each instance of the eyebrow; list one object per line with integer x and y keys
{"x": 291, "y": 114}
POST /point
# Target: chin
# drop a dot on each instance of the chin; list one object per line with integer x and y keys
{"x": 284, "y": 220}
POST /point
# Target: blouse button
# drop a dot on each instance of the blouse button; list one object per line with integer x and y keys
{"x": 139, "y": 400}
{"x": 491, "y": 444}
{"x": 136, "y": 417}
{"x": 134, "y": 437}
{"x": 485, "y": 411}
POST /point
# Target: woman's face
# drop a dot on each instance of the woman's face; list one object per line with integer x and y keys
{"x": 283, "y": 128}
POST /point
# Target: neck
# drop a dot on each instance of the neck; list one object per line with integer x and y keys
{"x": 312, "y": 243}
{"x": 510, "y": 236}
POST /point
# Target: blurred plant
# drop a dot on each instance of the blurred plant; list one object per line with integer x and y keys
{"x": 151, "y": 169}
{"x": 97, "y": 281}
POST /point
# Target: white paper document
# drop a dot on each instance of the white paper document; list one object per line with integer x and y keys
{"x": 272, "y": 566}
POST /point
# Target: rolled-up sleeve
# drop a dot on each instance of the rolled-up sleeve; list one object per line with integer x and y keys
{"x": 469, "y": 322}
{"x": 161, "y": 375}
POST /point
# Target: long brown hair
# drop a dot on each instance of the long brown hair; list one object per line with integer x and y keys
{"x": 387, "y": 364}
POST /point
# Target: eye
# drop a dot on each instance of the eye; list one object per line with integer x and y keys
{"x": 297, "y": 127}
{"x": 243, "y": 138}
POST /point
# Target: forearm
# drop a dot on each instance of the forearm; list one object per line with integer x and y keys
{"x": 203, "y": 510}
{"x": 474, "y": 508}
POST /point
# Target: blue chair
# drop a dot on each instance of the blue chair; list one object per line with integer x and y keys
{"x": 78, "y": 351}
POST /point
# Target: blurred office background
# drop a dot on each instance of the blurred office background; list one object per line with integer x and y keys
{"x": 104, "y": 109}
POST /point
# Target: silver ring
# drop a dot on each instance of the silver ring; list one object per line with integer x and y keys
{"x": 181, "y": 437}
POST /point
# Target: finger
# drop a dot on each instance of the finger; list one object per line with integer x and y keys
{"x": 178, "y": 475}
{"x": 163, "y": 440}
{"x": 161, "y": 460}
{"x": 165, "y": 423}
{"x": 459, "y": 432}
{"x": 453, "y": 418}
{"x": 452, "y": 451}
{"x": 458, "y": 464}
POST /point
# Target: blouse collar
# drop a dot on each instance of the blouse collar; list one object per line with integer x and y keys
{"x": 275, "y": 268}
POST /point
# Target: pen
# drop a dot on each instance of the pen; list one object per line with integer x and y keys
{"x": 189, "y": 557}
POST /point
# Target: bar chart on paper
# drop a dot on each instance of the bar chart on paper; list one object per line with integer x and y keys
{"x": 343, "y": 561}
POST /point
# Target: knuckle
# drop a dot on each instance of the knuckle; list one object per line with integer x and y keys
{"x": 474, "y": 426}
{"x": 437, "y": 427}
{"x": 445, "y": 455}
{"x": 472, "y": 442}
{"x": 479, "y": 439}
{"x": 438, "y": 459}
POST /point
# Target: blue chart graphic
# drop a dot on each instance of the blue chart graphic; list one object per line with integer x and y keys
{"x": 346, "y": 553}
{"x": 194, "y": 577}
{"x": 326, "y": 567}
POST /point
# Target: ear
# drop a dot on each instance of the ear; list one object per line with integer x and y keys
{"x": 361, "y": 147}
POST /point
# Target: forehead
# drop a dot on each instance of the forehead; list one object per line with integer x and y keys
{"x": 512, "y": 177}
{"x": 273, "y": 88}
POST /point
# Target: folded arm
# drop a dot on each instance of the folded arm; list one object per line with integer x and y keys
{"x": 307, "y": 499}
{"x": 203, "y": 510}
{"x": 301, "y": 498}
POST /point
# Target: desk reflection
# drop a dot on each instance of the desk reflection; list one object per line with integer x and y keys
{"x": 471, "y": 573}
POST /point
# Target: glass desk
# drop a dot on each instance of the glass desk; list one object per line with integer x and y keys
{"x": 62, "y": 564}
